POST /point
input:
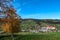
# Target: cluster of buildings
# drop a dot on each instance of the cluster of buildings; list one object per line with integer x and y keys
{"x": 48, "y": 29}
{"x": 45, "y": 29}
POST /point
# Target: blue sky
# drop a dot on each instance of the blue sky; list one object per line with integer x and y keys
{"x": 38, "y": 9}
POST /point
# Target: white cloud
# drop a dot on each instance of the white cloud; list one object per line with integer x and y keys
{"x": 42, "y": 16}
{"x": 31, "y": 16}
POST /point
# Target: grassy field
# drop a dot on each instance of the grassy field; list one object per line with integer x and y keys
{"x": 32, "y": 36}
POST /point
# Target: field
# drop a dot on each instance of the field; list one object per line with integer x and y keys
{"x": 32, "y": 36}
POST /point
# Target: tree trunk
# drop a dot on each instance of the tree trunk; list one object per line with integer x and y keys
{"x": 12, "y": 36}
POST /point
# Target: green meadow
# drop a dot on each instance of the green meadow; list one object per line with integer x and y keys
{"x": 32, "y": 36}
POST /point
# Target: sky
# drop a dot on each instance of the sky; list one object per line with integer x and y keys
{"x": 38, "y": 9}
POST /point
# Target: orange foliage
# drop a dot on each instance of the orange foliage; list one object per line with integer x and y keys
{"x": 10, "y": 19}
{"x": 12, "y": 24}
{"x": 7, "y": 27}
{"x": 11, "y": 27}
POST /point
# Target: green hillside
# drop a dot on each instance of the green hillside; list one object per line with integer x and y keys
{"x": 31, "y": 23}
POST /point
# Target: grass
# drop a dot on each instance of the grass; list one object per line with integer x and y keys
{"x": 32, "y": 36}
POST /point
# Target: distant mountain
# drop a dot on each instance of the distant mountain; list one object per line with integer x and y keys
{"x": 52, "y": 21}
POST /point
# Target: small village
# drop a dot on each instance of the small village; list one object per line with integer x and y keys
{"x": 29, "y": 20}
{"x": 46, "y": 29}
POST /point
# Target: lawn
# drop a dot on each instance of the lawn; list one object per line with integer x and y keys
{"x": 32, "y": 36}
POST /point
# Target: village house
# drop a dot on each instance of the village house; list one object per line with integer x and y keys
{"x": 48, "y": 29}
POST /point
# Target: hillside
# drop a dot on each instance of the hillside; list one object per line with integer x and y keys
{"x": 31, "y": 23}
{"x": 53, "y": 21}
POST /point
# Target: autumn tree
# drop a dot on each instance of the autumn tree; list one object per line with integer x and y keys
{"x": 11, "y": 21}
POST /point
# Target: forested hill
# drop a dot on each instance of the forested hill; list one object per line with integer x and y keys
{"x": 31, "y": 23}
{"x": 52, "y": 21}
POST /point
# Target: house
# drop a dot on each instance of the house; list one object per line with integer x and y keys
{"x": 34, "y": 31}
{"x": 48, "y": 29}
